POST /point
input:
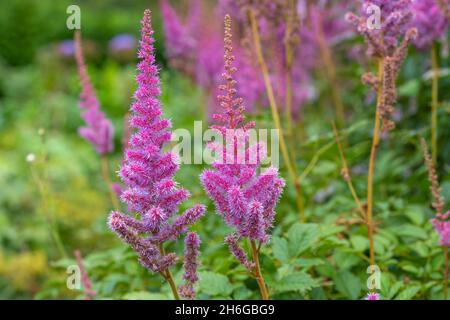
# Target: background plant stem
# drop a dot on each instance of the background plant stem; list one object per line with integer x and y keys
{"x": 375, "y": 142}
{"x": 106, "y": 177}
{"x": 276, "y": 117}
{"x": 434, "y": 103}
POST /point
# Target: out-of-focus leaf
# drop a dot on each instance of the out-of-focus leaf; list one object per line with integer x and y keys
{"x": 348, "y": 284}
{"x": 408, "y": 293}
{"x": 214, "y": 283}
{"x": 144, "y": 295}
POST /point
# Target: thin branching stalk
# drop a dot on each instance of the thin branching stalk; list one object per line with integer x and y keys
{"x": 315, "y": 159}
{"x": 258, "y": 275}
{"x": 45, "y": 207}
{"x": 169, "y": 278}
{"x": 107, "y": 178}
{"x": 291, "y": 167}
{"x": 167, "y": 275}
{"x": 346, "y": 173}
{"x": 434, "y": 102}
{"x": 375, "y": 143}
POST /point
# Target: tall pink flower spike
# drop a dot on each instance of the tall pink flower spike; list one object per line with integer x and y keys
{"x": 245, "y": 198}
{"x": 148, "y": 174}
{"x": 99, "y": 130}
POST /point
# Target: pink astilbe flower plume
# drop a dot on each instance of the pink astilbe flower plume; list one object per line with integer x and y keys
{"x": 372, "y": 296}
{"x": 395, "y": 19}
{"x": 441, "y": 221}
{"x": 148, "y": 173}
{"x": 190, "y": 276}
{"x": 99, "y": 130}
{"x": 429, "y": 20}
{"x": 181, "y": 42}
{"x": 243, "y": 197}
{"x": 388, "y": 41}
{"x": 87, "y": 284}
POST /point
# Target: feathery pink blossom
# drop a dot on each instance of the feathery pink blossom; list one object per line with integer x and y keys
{"x": 87, "y": 284}
{"x": 372, "y": 296}
{"x": 99, "y": 130}
{"x": 429, "y": 21}
{"x": 245, "y": 199}
{"x": 395, "y": 19}
{"x": 442, "y": 226}
{"x": 191, "y": 254}
{"x": 148, "y": 172}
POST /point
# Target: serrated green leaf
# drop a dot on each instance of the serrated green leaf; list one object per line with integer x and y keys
{"x": 416, "y": 214}
{"x": 410, "y": 268}
{"x": 408, "y": 293}
{"x": 360, "y": 243}
{"x": 298, "y": 282}
{"x": 214, "y": 283}
{"x": 409, "y": 230}
{"x": 305, "y": 263}
{"x": 280, "y": 249}
{"x": 348, "y": 284}
{"x": 301, "y": 237}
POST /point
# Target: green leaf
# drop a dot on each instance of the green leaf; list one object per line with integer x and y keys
{"x": 298, "y": 282}
{"x": 410, "y": 268}
{"x": 280, "y": 249}
{"x": 408, "y": 293}
{"x": 409, "y": 89}
{"x": 144, "y": 295}
{"x": 348, "y": 284}
{"x": 416, "y": 214}
{"x": 305, "y": 263}
{"x": 346, "y": 260}
{"x": 214, "y": 284}
{"x": 302, "y": 237}
{"x": 409, "y": 230}
{"x": 360, "y": 243}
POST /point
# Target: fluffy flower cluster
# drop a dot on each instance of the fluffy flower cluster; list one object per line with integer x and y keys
{"x": 384, "y": 43}
{"x": 441, "y": 222}
{"x": 444, "y": 5}
{"x": 372, "y": 296}
{"x": 180, "y": 37}
{"x": 148, "y": 174}
{"x": 430, "y": 22}
{"x": 442, "y": 226}
{"x": 394, "y": 21}
{"x": 99, "y": 130}
{"x": 86, "y": 282}
{"x": 190, "y": 276}
{"x": 245, "y": 199}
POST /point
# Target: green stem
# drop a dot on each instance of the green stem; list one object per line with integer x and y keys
{"x": 106, "y": 177}
{"x": 434, "y": 103}
{"x": 375, "y": 142}
{"x": 291, "y": 167}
